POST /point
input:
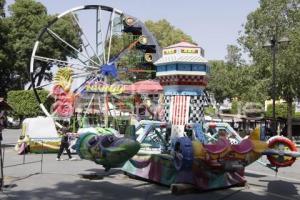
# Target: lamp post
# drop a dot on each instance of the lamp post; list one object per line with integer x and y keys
{"x": 273, "y": 44}
{"x": 16, "y": 77}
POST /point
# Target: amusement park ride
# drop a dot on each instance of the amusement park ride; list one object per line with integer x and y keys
{"x": 181, "y": 148}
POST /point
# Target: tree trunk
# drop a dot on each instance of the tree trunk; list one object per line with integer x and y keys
{"x": 21, "y": 117}
{"x": 289, "y": 118}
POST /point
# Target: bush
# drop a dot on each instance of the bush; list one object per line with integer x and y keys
{"x": 24, "y": 103}
{"x": 209, "y": 111}
{"x": 234, "y": 107}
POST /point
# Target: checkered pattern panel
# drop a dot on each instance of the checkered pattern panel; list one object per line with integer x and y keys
{"x": 167, "y": 103}
{"x": 183, "y": 80}
{"x": 196, "y": 114}
{"x": 207, "y": 98}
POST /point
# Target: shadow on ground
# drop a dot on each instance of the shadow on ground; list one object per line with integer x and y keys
{"x": 249, "y": 174}
{"x": 119, "y": 187}
{"x": 280, "y": 187}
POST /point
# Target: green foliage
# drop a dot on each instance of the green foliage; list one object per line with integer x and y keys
{"x": 234, "y": 56}
{"x": 246, "y": 86}
{"x": 26, "y": 19}
{"x": 133, "y": 58}
{"x": 297, "y": 115}
{"x": 209, "y": 111}
{"x": 120, "y": 42}
{"x": 220, "y": 81}
{"x": 5, "y": 52}
{"x": 24, "y": 102}
{"x": 166, "y": 34}
{"x": 235, "y": 107}
{"x": 275, "y": 18}
{"x": 288, "y": 71}
{"x": 235, "y": 79}
{"x": 280, "y": 110}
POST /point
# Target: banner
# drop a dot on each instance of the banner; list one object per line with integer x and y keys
{"x": 101, "y": 87}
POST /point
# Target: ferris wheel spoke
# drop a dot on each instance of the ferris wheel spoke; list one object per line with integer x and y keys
{"x": 111, "y": 25}
{"x": 99, "y": 35}
{"x": 89, "y": 105}
{"x": 44, "y": 85}
{"x": 86, "y": 39}
{"x": 80, "y": 75}
{"x": 82, "y": 69}
{"x": 55, "y": 35}
{"x": 74, "y": 76}
{"x": 68, "y": 63}
{"x": 81, "y": 87}
{"x": 74, "y": 54}
{"x": 99, "y": 104}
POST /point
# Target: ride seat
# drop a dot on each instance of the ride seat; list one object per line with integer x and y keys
{"x": 220, "y": 146}
{"x": 244, "y": 147}
{"x": 107, "y": 140}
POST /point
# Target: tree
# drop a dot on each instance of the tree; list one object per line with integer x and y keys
{"x": 234, "y": 56}
{"x": 227, "y": 81}
{"x": 210, "y": 110}
{"x": 246, "y": 86}
{"x": 281, "y": 111}
{"x": 2, "y": 3}
{"x": 276, "y": 19}
{"x": 166, "y": 34}
{"x": 25, "y": 21}
{"x": 5, "y": 52}
{"x": 220, "y": 81}
{"x": 24, "y": 103}
{"x": 244, "y": 82}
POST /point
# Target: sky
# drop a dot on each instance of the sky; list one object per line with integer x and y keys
{"x": 213, "y": 24}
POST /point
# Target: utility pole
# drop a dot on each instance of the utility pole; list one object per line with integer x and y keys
{"x": 273, "y": 44}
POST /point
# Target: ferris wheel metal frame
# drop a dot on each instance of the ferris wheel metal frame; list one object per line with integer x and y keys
{"x": 101, "y": 51}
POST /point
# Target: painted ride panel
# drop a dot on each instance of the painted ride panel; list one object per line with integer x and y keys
{"x": 106, "y": 149}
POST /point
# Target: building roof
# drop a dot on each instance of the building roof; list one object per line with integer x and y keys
{"x": 181, "y": 58}
{"x": 183, "y": 44}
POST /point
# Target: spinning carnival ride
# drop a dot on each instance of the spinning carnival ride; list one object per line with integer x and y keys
{"x": 178, "y": 149}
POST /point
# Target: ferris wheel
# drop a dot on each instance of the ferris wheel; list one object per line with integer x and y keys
{"x": 105, "y": 46}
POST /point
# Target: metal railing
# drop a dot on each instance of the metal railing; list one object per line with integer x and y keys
{"x": 24, "y": 160}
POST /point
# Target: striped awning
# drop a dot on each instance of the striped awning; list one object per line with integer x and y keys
{"x": 179, "y": 112}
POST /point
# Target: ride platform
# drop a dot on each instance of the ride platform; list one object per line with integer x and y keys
{"x": 159, "y": 168}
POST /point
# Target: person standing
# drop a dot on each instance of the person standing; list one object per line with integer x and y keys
{"x": 156, "y": 110}
{"x": 140, "y": 107}
{"x": 2, "y": 123}
{"x": 2, "y": 126}
{"x": 64, "y": 145}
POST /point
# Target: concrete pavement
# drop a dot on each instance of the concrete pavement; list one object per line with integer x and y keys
{"x": 63, "y": 180}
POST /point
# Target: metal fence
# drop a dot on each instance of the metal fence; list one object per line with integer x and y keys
{"x": 17, "y": 160}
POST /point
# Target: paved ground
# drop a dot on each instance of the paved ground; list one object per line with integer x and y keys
{"x": 63, "y": 180}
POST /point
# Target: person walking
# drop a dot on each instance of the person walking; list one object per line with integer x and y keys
{"x": 64, "y": 145}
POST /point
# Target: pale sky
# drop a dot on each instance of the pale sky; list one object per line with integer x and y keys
{"x": 213, "y": 24}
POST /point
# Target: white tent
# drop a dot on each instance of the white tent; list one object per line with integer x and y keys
{"x": 39, "y": 128}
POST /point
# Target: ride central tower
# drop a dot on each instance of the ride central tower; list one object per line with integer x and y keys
{"x": 183, "y": 72}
